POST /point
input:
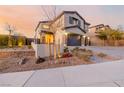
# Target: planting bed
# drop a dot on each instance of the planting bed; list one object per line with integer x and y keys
{"x": 75, "y": 57}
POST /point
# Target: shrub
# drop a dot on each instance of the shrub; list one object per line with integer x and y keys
{"x": 89, "y": 52}
{"x": 83, "y": 54}
{"x": 101, "y": 54}
{"x": 83, "y": 50}
{"x": 21, "y": 41}
{"x": 3, "y": 40}
{"x": 65, "y": 49}
{"x": 14, "y": 42}
{"x": 84, "y": 57}
{"x": 66, "y": 55}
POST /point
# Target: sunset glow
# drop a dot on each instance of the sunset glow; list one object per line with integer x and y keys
{"x": 25, "y": 18}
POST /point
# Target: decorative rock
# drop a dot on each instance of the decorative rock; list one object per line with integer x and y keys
{"x": 22, "y": 61}
{"x": 40, "y": 60}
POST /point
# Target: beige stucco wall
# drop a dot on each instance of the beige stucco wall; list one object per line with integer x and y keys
{"x": 42, "y": 50}
{"x": 95, "y": 41}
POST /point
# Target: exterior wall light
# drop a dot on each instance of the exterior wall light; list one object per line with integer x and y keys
{"x": 66, "y": 34}
{"x": 84, "y": 36}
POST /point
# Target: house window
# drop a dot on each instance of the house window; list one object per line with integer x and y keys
{"x": 45, "y": 26}
{"x": 74, "y": 21}
{"x": 46, "y": 38}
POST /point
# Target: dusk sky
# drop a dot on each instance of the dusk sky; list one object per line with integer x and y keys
{"x": 25, "y": 18}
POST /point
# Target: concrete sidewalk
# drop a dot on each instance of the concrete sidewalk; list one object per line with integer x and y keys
{"x": 108, "y": 74}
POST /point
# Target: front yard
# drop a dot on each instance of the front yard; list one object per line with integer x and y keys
{"x": 11, "y": 61}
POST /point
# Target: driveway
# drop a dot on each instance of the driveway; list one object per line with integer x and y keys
{"x": 108, "y": 74}
{"x": 113, "y": 51}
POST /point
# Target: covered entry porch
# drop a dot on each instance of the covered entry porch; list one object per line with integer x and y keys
{"x": 76, "y": 36}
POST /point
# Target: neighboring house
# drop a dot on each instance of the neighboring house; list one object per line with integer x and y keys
{"x": 68, "y": 29}
{"x": 92, "y": 33}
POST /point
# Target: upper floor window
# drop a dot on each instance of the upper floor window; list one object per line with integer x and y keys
{"x": 86, "y": 27}
{"x": 74, "y": 21}
{"x": 45, "y": 26}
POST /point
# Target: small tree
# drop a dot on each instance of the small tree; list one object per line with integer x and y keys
{"x": 102, "y": 35}
{"x": 10, "y": 29}
{"x": 14, "y": 42}
{"x": 117, "y": 35}
{"x": 110, "y": 34}
{"x": 51, "y": 15}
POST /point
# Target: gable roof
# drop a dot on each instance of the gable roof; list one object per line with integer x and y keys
{"x": 40, "y": 23}
{"x": 100, "y": 25}
{"x": 70, "y": 12}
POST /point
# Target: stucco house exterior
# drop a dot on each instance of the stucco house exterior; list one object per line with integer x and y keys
{"x": 67, "y": 29}
{"x": 93, "y": 32}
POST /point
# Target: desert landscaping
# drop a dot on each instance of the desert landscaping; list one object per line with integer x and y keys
{"x": 20, "y": 59}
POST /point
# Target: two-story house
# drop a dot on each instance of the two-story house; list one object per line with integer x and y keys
{"x": 67, "y": 29}
{"x": 93, "y": 32}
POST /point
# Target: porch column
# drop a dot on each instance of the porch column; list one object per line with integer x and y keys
{"x": 65, "y": 39}
{"x": 83, "y": 40}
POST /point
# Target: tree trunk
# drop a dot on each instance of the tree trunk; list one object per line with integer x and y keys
{"x": 58, "y": 48}
{"x": 9, "y": 40}
{"x": 54, "y": 45}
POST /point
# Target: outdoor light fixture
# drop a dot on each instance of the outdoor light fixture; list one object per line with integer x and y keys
{"x": 66, "y": 33}
{"x": 65, "y": 45}
{"x": 59, "y": 56}
{"x": 84, "y": 36}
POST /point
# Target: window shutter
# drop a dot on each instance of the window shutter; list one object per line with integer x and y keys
{"x": 79, "y": 23}
{"x": 70, "y": 20}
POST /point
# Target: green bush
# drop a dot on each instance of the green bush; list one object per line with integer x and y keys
{"x": 3, "y": 40}
{"x": 76, "y": 49}
{"x": 14, "y": 42}
{"x": 2, "y": 47}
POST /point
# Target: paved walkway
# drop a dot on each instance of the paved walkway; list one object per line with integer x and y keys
{"x": 109, "y": 74}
